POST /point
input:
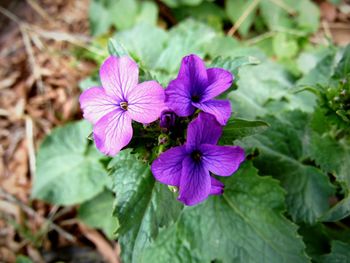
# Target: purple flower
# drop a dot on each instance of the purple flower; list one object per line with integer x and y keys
{"x": 188, "y": 167}
{"x": 167, "y": 119}
{"x": 196, "y": 86}
{"x": 112, "y": 107}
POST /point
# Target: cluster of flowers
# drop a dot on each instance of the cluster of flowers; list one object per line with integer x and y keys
{"x": 121, "y": 99}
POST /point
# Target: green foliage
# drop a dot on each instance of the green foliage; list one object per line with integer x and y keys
{"x": 340, "y": 253}
{"x": 298, "y": 137}
{"x": 233, "y": 228}
{"x": 300, "y": 17}
{"x": 238, "y": 128}
{"x": 98, "y": 213}
{"x": 143, "y": 206}
{"x": 284, "y": 145}
{"x": 122, "y": 14}
{"x": 69, "y": 170}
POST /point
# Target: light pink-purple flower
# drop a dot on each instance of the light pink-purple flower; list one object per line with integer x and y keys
{"x": 112, "y": 107}
{"x": 196, "y": 87}
{"x": 188, "y": 166}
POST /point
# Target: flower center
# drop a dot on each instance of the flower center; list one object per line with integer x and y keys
{"x": 195, "y": 98}
{"x": 196, "y": 155}
{"x": 124, "y": 105}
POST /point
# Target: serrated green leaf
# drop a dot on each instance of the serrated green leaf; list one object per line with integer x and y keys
{"x": 333, "y": 157}
{"x": 320, "y": 74}
{"x": 236, "y": 129}
{"x": 143, "y": 206}
{"x": 282, "y": 150}
{"x": 340, "y": 253}
{"x": 97, "y": 213}
{"x": 243, "y": 225}
{"x": 266, "y": 88}
{"x": 68, "y": 167}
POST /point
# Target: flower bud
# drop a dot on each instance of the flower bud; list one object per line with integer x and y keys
{"x": 167, "y": 119}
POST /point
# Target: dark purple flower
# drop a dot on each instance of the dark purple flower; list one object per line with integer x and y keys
{"x": 167, "y": 119}
{"x": 196, "y": 86}
{"x": 188, "y": 166}
{"x": 112, "y": 107}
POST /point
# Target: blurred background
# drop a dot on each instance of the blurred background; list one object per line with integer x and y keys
{"x": 48, "y": 51}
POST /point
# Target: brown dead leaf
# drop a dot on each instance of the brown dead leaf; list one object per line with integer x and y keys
{"x": 102, "y": 245}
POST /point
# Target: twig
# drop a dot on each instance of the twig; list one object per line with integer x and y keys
{"x": 242, "y": 18}
{"x": 259, "y": 38}
{"x": 23, "y": 28}
{"x": 30, "y": 145}
{"x": 35, "y": 68}
{"x": 37, "y": 8}
{"x": 31, "y": 212}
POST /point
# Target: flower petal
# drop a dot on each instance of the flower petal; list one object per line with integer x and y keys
{"x": 112, "y": 132}
{"x": 193, "y": 72}
{"x": 167, "y": 167}
{"x": 204, "y": 129}
{"x": 219, "y": 80}
{"x": 95, "y": 103}
{"x": 178, "y": 98}
{"x": 222, "y": 160}
{"x": 221, "y": 109}
{"x": 195, "y": 182}
{"x": 217, "y": 187}
{"x": 189, "y": 85}
{"x": 146, "y": 102}
{"x": 119, "y": 76}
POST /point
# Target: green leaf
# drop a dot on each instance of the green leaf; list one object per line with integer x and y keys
{"x": 148, "y": 13}
{"x": 98, "y": 213}
{"x": 143, "y": 206}
{"x": 188, "y": 37}
{"x": 333, "y": 157}
{"x": 283, "y": 147}
{"x": 274, "y": 15}
{"x": 207, "y": 12}
{"x": 91, "y": 81}
{"x": 234, "y": 64}
{"x": 284, "y": 46}
{"x": 123, "y": 13}
{"x": 99, "y": 18}
{"x": 116, "y": 49}
{"x": 23, "y": 259}
{"x": 236, "y": 129}
{"x": 141, "y": 45}
{"x": 243, "y": 225}
{"x": 68, "y": 169}
{"x": 176, "y": 3}
{"x": 340, "y": 253}
{"x": 266, "y": 88}
{"x": 308, "y": 18}
{"x": 236, "y": 8}
{"x": 320, "y": 74}
{"x": 343, "y": 68}
{"x": 222, "y": 46}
